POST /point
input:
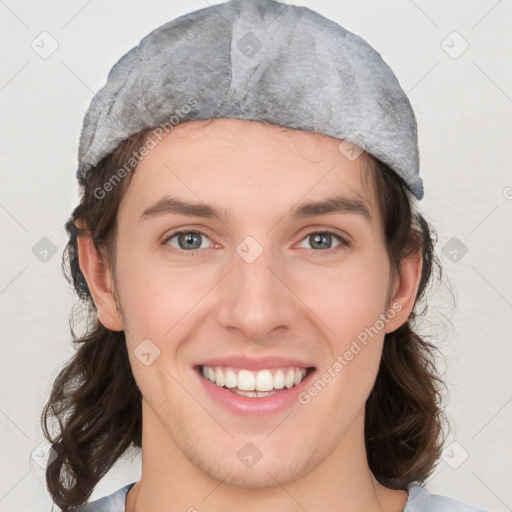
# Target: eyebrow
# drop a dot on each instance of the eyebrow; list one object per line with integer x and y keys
{"x": 334, "y": 204}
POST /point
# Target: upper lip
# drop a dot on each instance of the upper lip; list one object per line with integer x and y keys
{"x": 253, "y": 363}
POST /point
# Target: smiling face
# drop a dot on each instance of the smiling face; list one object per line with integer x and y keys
{"x": 255, "y": 275}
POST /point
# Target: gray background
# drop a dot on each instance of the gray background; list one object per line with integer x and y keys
{"x": 463, "y": 103}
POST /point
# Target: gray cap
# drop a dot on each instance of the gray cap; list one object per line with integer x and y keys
{"x": 258, "y": 60}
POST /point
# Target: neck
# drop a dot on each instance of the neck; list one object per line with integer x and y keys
{"x": 342, "y": 481}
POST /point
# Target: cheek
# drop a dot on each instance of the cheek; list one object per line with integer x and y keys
{"x": 155, "y": 296}
{"x": 348, "y": 298}
{"x": 350, "y": 302}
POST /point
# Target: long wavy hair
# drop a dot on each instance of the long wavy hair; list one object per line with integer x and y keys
{"x": 98, "y": 405}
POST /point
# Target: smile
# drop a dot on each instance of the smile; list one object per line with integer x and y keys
{"x": 249, "y": 383}
{"x": 253, "y": 393}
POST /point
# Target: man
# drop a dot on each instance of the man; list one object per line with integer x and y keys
{"x": 254, "y": 274}
{"x": 203, "y": 302}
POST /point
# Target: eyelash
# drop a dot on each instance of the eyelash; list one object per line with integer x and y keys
{"x": 344, "y": 243}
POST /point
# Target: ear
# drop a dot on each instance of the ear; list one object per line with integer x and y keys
{"x": 405, "y": 288}
{"x": 100, "y": 283}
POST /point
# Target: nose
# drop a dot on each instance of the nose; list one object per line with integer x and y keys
{"x": 256, "y": 297}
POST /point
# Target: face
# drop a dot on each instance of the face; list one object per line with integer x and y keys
{"x": 250, "y": 293}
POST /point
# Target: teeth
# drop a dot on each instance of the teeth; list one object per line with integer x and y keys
{"x": 279, "y": 379}
{"x": 253, "y": 394}
{"x": 219, "y": 377}
{"x": 231, "y": 380}
{"x": 289, "y": 379}
{"x": 248, "y": 383}
{"x": 264, "y": 381}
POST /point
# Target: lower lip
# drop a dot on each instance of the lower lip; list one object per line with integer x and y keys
{"x": 254, "y": 406}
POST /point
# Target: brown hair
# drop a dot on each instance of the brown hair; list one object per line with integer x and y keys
{"x": 97, "y": 402}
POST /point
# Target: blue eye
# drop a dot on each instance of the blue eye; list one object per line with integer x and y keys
{"x": 324, "y": 237}
{"x": 189, "y": 241}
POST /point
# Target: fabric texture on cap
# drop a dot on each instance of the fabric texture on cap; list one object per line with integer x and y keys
{"x": 258, "y": 60}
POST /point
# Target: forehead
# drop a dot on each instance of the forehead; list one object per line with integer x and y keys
{"x": 245, "y": 166}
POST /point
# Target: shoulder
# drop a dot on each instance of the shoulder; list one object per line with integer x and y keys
{"x": 114, "y": 502}
{"x": 420, "y": 500}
